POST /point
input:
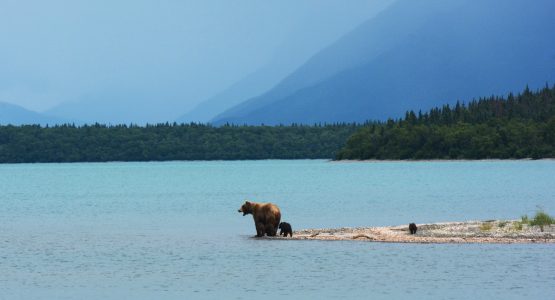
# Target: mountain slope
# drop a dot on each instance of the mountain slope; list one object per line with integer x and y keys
{"x": 250, "y": 86}
{"x": 11, "y": 114}
{"x": 355, "y": 48}
{"x": 302, "y": 42}
{"x": 415, "y": 55}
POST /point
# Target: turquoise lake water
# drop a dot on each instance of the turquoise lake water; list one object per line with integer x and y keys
{"x": 171, "y": 230}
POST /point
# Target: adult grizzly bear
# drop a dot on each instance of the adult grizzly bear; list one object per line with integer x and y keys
{"x": 266, "y": 217}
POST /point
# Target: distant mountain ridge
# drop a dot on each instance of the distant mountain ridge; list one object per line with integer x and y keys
{"x": 286, "y": 59}
{"x": 252, "y": 85}
{"x": 11, "y": 114}
{"x": 414, "y": 55}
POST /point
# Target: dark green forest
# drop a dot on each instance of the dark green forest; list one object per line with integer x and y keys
{"x": 516, "y": 126}
{"x": 162, "y": 142}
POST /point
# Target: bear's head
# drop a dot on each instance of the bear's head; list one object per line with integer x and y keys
{"x": 246, "y": 208}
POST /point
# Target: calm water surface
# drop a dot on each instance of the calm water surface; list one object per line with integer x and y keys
{"x": 172, "y": 230}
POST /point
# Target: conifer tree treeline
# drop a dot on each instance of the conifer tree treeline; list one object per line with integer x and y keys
{"x": 521, "y": 126}
{"x": 516, "y": 126}
{"x": 162, "y": 142}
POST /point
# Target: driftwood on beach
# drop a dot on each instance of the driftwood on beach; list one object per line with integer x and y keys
{"x": 495, "y": 231}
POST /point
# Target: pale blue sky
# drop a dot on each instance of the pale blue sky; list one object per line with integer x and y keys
{"x": 174, "y": 51}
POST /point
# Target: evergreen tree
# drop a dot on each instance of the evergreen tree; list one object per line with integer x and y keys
{"x": 520, "y": 126}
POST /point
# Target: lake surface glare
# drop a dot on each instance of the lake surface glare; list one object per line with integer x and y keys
{"x": 171, "y": 230}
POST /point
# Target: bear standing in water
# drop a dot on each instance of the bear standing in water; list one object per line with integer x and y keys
{"x": 285, "y": 229}
{"x": 266, "y": 217}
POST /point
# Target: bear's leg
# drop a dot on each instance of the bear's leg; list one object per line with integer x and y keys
{"x": 259, "y": 229}
{"x": 291, "y": 233}
{"x": 271, "y": 230}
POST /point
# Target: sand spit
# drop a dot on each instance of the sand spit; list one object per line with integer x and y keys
{"x": 490, "y": 232}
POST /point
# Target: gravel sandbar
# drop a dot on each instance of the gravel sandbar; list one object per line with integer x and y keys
{"x": 493, "y": 231}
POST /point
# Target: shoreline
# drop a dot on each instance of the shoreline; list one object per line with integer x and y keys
{"x": 469, "y": 232}
{"x": 441, "y": 160}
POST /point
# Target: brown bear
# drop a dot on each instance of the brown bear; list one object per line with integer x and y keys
{"x": 266, "y": 217}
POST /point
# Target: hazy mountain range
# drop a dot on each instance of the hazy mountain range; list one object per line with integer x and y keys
{"x": 11, "y": 114}
{"x": 142, "y": 62}
{"x": 412, "y": 55}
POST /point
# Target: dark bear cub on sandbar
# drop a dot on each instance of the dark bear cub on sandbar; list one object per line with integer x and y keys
{"x": 412, "y": 228}
{"x": 285, "y": 229}
{"x": 266, "y": 217}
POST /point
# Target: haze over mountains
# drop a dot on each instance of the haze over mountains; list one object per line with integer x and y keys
{"x": 16, "y": 115}
{"x": 148, "y": 62}
{"x": 414, "y": 55}
{"x": 298, "y": 47}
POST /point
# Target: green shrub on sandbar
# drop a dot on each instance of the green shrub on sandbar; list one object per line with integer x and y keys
{"x": 542, "y": 219}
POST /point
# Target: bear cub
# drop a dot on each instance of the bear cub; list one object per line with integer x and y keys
{"x": 412, "y": 228}
{"x": 285, "y": 229}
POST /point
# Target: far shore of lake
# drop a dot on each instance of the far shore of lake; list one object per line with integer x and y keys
{"x": 475, "y": 232}
{"x": 440, "y": 160}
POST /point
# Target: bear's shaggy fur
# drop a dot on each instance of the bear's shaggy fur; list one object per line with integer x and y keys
{"x": 266, "y": 217}
{"x": 285, "y": 228}
{"x": 412, "y": 228}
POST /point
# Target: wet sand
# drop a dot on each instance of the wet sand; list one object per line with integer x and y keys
{"x": 492, "y": 232}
